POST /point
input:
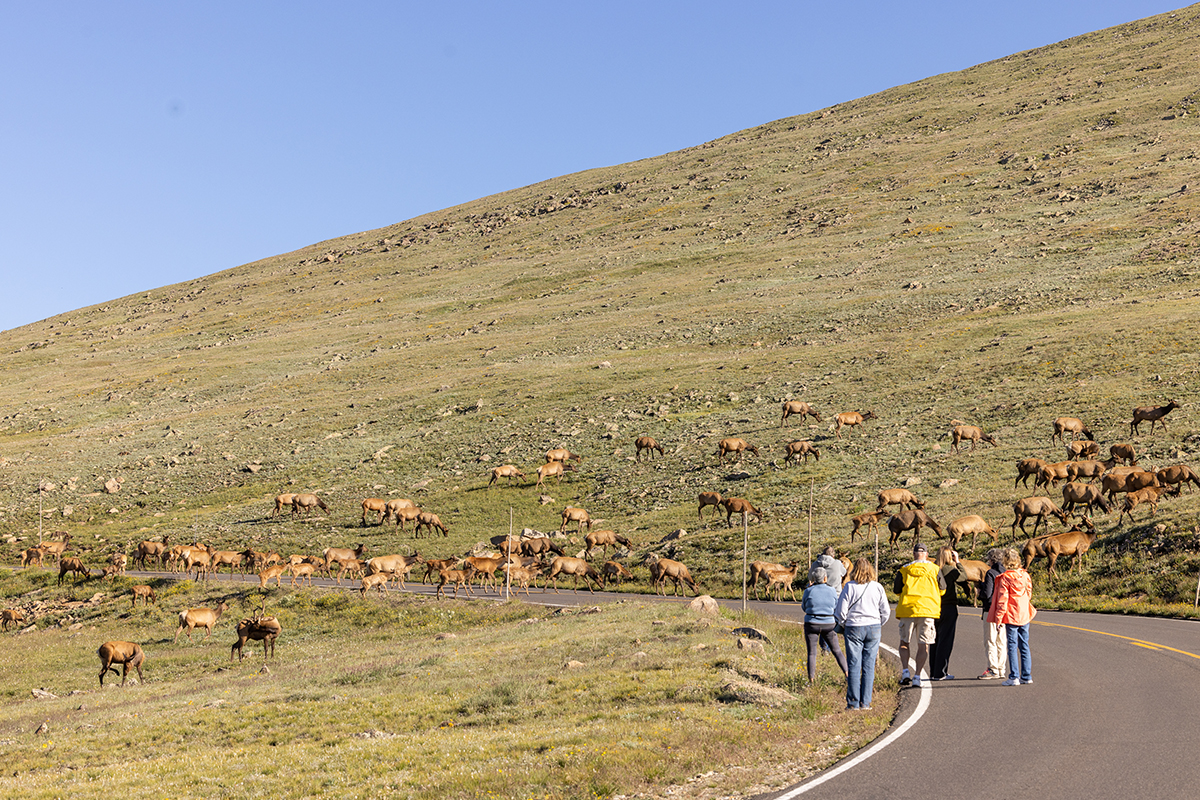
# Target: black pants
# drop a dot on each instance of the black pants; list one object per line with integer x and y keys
{"x": 814, "y": 635}
{"x": 939, "y": 653}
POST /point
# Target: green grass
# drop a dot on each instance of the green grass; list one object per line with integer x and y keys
{"x": 431, "y": 699}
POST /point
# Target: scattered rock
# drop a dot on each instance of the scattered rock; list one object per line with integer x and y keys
{"x": 43, "y": 729}
{"x": 112, "y": 486}
{"x": 43, "y": 694}
{"x": 443, "y": 636}
{"x": 573, "y": 664}
{"x": 946, "y": 484}
{"x": 704, "y": 604}
{"x": 750, "y": 645}
{"x": 739, "y": 690}
{"x": 910, "y": 482}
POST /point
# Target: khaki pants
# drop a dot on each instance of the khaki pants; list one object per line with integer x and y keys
{"x": 996, "y": 646}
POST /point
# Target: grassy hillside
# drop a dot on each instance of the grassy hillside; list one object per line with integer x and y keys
{"x": 1001, "y": 245}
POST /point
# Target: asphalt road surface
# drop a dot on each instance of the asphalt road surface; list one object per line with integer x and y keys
{"x": 1112, "y": 712}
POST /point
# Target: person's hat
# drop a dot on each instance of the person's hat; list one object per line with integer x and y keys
{"x": 920, "y": 548}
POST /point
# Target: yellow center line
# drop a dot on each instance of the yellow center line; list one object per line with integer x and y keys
{"x": 1139, "y": 642}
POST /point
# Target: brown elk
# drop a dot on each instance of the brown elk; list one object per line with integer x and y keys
{"x": 1115, "y": 483}
{"x": 374, "y": 505}
{"x": 539, "y": 545}
{"x": 1152, "y": 414}
{"x": 206, "y": 618}
{"x": 1083, "y": 494}
{"x": 563, "y": 455}
{"x": 604, "y": 539}
{"x": 575, "y": 567}
{"x": 149, "y": 549}
{"x": 664, "y": 569}
{"x": 1027, "y": 467}
{"x": 972, "y": 524}
{"x": 739, "y": 505}
{"x": 1147, "y": 496}
{"x": 870, "y": 518}
{"x": 1050, "y": 474}
{"x": 615, "y": 570}
{"x": 56, "y": 548}
{"x": 1071, "y": 425}
{"x": 794, "y": 450}
{"x": 508, "y": 471}
{"x": 800, "y": 408}
{"x": 898, "y": 497}
{"x": 851, "y": 419}
{"x": 577, "y": 515}
{"x": 282, "y": 500}
{"x": 1177, "y": 475}
{"x": 263, "y": 629}
{"x": 708, "y": 499}
{"x": 394, "y": 505}
{"x": 1037, "y": 507}
{"x": 552, "y": 469}
{"x": 339, "y": 555}
{"x": 71, "y": 564}
{"x": 1085, "y": 448}
{"x": 972, "y": 433}
{"x": 459, "y": 577}
{"x": 431, "y": 521}
{"x": 760, "y": 574}
{"x": 32, "y": 556}
{"x": 1123, "y": 453}
{"x": 648, "y": 444}
{"x": 396, "y": 566}
{"x": 732, "y": 445}
{"x": 146, "y": 593}
{"x": 306, "y": 503}
{"x": 911, "y": 519}
{"x": 124, "y": 654}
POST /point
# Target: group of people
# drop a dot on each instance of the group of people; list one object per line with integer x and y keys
{"x": 927, "y": 612}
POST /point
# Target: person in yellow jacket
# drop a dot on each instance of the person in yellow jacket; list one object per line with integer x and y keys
{"x": 920, "y": 585}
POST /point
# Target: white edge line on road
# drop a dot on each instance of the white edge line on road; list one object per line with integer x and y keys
{"x": 878, "y": 745}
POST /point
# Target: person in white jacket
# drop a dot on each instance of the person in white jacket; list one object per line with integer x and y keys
{"x": 862, "y": 610}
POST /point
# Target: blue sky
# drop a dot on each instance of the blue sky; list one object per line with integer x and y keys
{"x": 147, "y": 143}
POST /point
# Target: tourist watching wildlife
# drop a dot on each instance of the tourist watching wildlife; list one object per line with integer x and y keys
{"x": 862, "y": 610}
{"x": 920, "y": 586}
{"x": 1012, "y": 609}
{"x": 818, "y": 602}
{"x": 995, "y": 644}
{"x": 945, "y": 625}
{"x": 833, "y": 568}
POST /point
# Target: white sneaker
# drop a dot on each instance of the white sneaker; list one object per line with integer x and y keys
{"x": 916, "y": 681}
{"x": 1026, "y": 683}
{"x": 1011, "y": 682}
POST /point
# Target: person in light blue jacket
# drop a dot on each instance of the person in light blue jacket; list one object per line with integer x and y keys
{"x": 818, "y": 602}
{"x": 862, "y": 609}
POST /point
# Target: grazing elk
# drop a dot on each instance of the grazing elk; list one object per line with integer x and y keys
{"x": 733, "y": 445}
{"x": 796, "y": 449}
{"x": 972, "y": 524}
{"x": 1037, "y": 507}
{"x": 800, "y": 408}
{"x": 306, "y": 503}
{"x": 1027, "y": 467}
{"x": 1123, "y": 453}
{"x": 508, "y": 471}
{"x": 648, "y": 444}
{"x": 664, "y": 569}
{"x": 575, "y": 567}
{"x": 124, "y": 654}
{"x": 562, "y": 455}
{"x": 1083, "y": 494}
{"x": 604, "y": 539}
{"x": 1071, "y": 425}
{"x": 1152, "y": 414}
{"x": 427, "y": 519}
{"x": 911, "y": 519}
{"x": 1177, "y": 475}
{"x": 971, "y": 433}
{"x": 577, "y": 515}
{"x": 552, "y": 469}
{"x": 739, "y": 505}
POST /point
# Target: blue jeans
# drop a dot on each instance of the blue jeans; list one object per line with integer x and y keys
{"x": 862, "y": 647}
{"x": 1018, "y": 650}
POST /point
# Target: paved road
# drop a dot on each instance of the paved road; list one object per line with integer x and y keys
{"x": 1112, "y": 713}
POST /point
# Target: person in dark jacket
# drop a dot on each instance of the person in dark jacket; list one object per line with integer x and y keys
{"x": 995, "y": 644}
{"x": 945, "y": 625}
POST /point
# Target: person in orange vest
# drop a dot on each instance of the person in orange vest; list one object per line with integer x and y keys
{"x": 920, "y": 585}
{"x": 1012, "y": 609}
